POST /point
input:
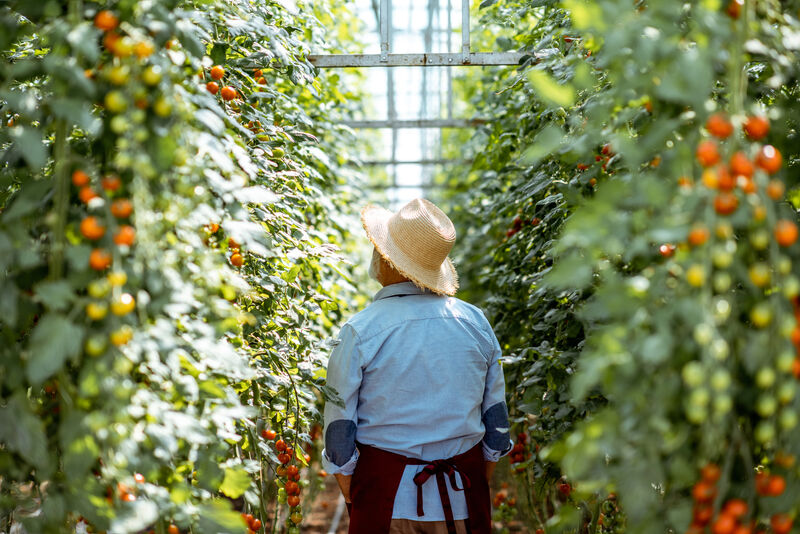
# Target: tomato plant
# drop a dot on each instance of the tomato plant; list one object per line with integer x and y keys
{"x": 128, "y": 187}
{"x": 650, "y": 142}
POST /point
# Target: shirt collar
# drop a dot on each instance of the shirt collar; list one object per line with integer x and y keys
{"x": 402, "y": 288}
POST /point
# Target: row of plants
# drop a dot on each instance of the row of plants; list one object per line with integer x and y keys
{"x": 637, "y": 175}
{"x": 171, "y": 195}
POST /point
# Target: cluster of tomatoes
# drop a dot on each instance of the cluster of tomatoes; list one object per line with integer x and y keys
{"x": 253, "y": 524}
{"x": 733, "y": 514}
{"x": 519, "y": 222}
{"x": 217, "y": 73}
{"x": 288, "y": 474}
{"x": 520, "y": 452}
{"x": 106, "y": 208}
{"x": 130, "y": 53}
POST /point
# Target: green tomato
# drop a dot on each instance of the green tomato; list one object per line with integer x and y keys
{"x": 722, "y": 282}
{"x": 766, "y": 406}
{"x": 152, "y": 75}
{"x": 784, "y": 265}
{"x": 787, "y": 419}
{"x": 787, "y": 392}
{"x": 116, "y": 102}
{"x": 696, "y": 414}
{"x": 699, "y": 398}
{"x": 791, "y": 287}
{"x": 693, "y": 374}
{"x": 719, "y": 349}
{"x": 765, "y": 432}
{"x": 96, "y": 345}
{"x": 278, "y": 152}
{"x": 119, "y": 124}
{"x": 760, "y": 239}
{"x": 703, "y": 334}
{"x": 722, "y": 258}
{"x": 281, "y": 495}
{"x": 761, "y": 315}
{"x": 765, "y": 377}
{"x": 100, "y": 288}
{"x": 162, "y": 107}
{"x": 723, "y": 404}
{"x": 720, "y": 380}
{"x": 119, "y": 75}
{"x": 785, "y": 361}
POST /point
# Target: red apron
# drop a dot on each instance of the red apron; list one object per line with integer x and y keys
{"x": 377, "y": 476}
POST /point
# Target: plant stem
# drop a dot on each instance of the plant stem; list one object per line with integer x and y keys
{"x": 61, "y": 206}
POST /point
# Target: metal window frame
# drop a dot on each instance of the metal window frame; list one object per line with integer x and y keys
{"x": 386, "y": 59}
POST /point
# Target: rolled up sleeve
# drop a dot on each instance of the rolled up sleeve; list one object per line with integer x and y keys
{"x": 344, "y": 375}
{"x": 494, "y": 413}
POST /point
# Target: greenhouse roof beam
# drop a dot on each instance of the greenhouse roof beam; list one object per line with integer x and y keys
{"x": 478, "y": 59}
{"x": 416, "y": 123}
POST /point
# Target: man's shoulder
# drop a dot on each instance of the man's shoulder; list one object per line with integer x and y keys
{"x": 375, "y": 314}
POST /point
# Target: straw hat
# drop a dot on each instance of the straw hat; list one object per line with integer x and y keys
{"x": 415, "y": 241}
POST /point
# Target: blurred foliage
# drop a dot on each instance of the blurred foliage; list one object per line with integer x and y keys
{"x": 632, "y": 368}
{"x": 169, "y": 259}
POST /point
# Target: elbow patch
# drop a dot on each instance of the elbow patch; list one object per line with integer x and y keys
{"x": 495, "y": 421}
{"x": 340, "y": 441}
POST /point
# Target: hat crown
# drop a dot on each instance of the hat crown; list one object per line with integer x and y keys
{"x": 423, "y": 232}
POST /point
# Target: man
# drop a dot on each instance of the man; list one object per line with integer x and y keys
{"x": 424, "y": 418}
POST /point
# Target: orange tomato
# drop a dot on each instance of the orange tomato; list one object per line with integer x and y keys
{"x": 228, "y": 93}
{"x": 217, "y": 72}
{"x": 724, "y": 524}
{"x": 776, "y": 485}
{"x": 756, "y": 127}
{"x": 719, "y": 126}
{"x": 781, "y": 523}
{"x": 775, "y": 189}
{"x": 173, "y": 529}
{"x": 105, "y": 20}
{"x": 121, "y": 208}
{"x": 726, "y": 203}
{"x": 710, "y": 472}
{"x": 261, "y": 81}
{"x": 92, "y": 229}
{"x": 707, "y": 153}
{"x": 237, "y": 260}
{"x": 80, "y": 178}
{"x": 111, "y": 182}
{"x": 126, "y": 235}
{"x": 212, "y": 87}
{"x": 293, "y": 501}
{"x": 741, "y": 166}
{"x": 735, "y": 508}
{"x": 268, "y": 434}
{"x": 698, "y": 235}
{"x": 725, "y": 180}
{"x": 704, "y": 492}
{"x": 769, "y": 159}
{"x": 785, "y": 232}
{"x": 86, "y": 194}
{"x": 99, "y": 259}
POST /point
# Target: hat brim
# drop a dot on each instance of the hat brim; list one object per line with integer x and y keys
{"x": 442, "y": 281}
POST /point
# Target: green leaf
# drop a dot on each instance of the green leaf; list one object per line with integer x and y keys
{"x": 549, "y": 90}
{"x": 135, "y": 516}
{"x": 235, "y": 483}
{"x": 218, "y": 52}
{"x": 54, "y": 295}
{"x": 218, "y": 516}
{"x": 29, "y": 143}
{"x": 54, "y": 340}
{"x": 22, "y": 432}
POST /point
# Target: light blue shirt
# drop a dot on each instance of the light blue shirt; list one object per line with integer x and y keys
{"x": 419, "y": 376}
